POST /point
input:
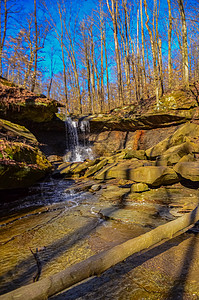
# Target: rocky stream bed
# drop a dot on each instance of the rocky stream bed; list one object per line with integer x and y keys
{"x": 63, "y": 225}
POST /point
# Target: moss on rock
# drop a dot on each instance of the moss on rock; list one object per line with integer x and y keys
{"x": 21, "y": 165}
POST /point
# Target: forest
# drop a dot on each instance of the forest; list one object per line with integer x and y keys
{"x": 94, "y": 56}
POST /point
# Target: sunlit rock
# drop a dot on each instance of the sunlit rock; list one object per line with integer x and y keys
{"x": 154, "y": 175}
{"x": 188, "y": 170}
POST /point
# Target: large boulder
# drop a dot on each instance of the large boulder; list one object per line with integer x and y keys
{"x": 188, "y": 170}
{"x": 154, "y": 175}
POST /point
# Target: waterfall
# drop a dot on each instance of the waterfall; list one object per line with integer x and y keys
{"x": 76, "y": 149}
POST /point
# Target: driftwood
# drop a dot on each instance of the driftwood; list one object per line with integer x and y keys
{"x": 97, "y": 264}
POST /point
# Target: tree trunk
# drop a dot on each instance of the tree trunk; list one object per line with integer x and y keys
{"x": 185, "y": 62}
{"x": 169, "y": 45}
{"x": 160, "y": 67}
{"x": 63, "y": 60}
{"x": 34, "y": 77}
{"x": 143, "y": 52}
{"x": 51, "y": 75}
{"x": 102, "y": 60}
{"x": 3, "y": 35}
{"x": 127, "y": 54}
{"x": 93, "y": 73}
{"x": 154, "y": 54}
{"x": 97, "y": 264}
{"x": 114, "y": 14}
{"x": 31, "y": 60}
{"x": 86, "y": 45}
{"x": 107, "y": 74}
{"x": 139, "y": 94}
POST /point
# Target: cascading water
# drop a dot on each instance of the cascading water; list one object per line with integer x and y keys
{"x": 77, "y": 150}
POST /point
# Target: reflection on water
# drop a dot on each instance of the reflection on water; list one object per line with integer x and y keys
{"x": 45, "y": 193}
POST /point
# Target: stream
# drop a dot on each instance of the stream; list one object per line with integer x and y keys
{"x": 61, "y": 226}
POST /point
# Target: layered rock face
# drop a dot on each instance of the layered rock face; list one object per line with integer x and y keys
{"x": 171, "y": 160}
{"x": 36, "y": 112}
{"x": 22, "y": 106}
{"x": 21, "y": 162}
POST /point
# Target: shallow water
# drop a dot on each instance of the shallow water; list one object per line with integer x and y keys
{"x": 63, "y": 227}
{"x": 57, "y": 224}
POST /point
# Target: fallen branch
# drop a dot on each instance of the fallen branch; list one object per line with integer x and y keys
{"x": 97, "y": 264}
{"x": 36, "y": 257}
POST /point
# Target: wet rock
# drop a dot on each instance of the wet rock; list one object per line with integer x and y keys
{"x": 68, "y": 168}
{"x": 82, "y": 167}
{"x": 54, "y": 158}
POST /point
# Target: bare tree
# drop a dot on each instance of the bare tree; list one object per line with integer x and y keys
{"x": 185, "y": 62}
{"x": 34, "y": 76}
{"x": 51, "y": 72}
{"x": 142, "y": 47}
{"x": 169, "y": 45}
{"x": 4, "y": 12}
{"x": 154, "y": 54}
{"x": 61, "y": 39}
{"x": 114, "y": 16}
{"x": 86, "y": 53}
